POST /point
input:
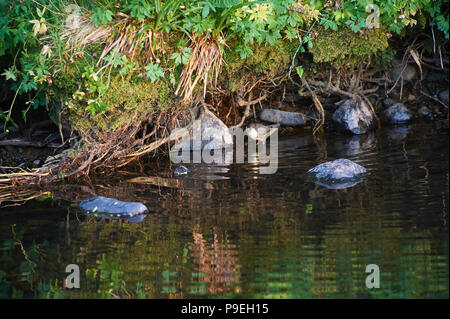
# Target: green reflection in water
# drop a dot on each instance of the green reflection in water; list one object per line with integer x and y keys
{"x": 249, "y": 236}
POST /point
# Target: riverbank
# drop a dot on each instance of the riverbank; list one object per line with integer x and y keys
{"x": 117, "y": 78}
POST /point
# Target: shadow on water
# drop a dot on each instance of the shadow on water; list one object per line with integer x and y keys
{"x": 227, "y": 231}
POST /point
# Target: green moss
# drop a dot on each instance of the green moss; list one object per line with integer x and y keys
{"x": 344, "y": 46}
{"x": 265, "y": 60}
{"x": 128, "y": 102}
{"x": 68, "y": 78}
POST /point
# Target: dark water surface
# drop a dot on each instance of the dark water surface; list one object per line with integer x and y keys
{"x": 231, "y": 232}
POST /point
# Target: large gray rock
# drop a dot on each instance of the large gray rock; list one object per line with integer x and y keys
{"x": 397, "y": 113}
{"x": 282, "y": 117}
{"x": 338, "y": 174}
{"x": 355, "y": 117}
{"x": 105, "y": 206}
{"x": 208, "y": 132}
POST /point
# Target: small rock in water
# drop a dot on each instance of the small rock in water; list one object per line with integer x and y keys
{"x": 113, "y": 207}
{"x": 354, "y": 117}
{"x": 397, "y": 113}
{"x": 260, "y": 132}
{"x": 340, "y": 173}
{"x": 426, "y": 112}
{"x": 181, "y": 171}
{"x": 282, "y": 117}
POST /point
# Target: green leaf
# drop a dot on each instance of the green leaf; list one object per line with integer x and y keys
{"x": 154, "y": 72}
{"x": 244, "y": 51}
{"x": 24, "y": 115}
{"x": 9, "y": 74}
{"x": 299, "y": 70}
{"x": 102, "y": 16}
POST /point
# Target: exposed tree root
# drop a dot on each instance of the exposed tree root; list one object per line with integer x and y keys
{"x": 97, "y": 151}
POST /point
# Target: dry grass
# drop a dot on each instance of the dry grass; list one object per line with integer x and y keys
{"x": 205, "y": 64}
{"x": 126, "y": 37}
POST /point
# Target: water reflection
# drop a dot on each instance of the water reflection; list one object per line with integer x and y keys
{"x": 339, "y": 185}
{"x": 248, "y": 235}
{"x": 217, "y": 263}
{"x": 399, "y": 132}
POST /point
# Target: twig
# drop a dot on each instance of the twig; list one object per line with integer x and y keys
{"x": 332, "y": 89}
{"x": 318, "y": 105}
{"x": 371, "y": 107}
{"x": 247, "y": 105}
{"x": 22, "y": 143}
{"x": 434, "y": 99}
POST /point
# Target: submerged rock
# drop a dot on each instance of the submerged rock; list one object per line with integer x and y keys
{"x": 397, "y": 113}
{"x": 426, "y": 112}
{"x": 340, "y": 173}
{"x": 282, "y": 117}
{"x": 111, "y": 207}
{"x": 354, "y": 117}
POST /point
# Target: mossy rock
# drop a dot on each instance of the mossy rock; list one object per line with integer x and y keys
{"x": 343, "y": 47}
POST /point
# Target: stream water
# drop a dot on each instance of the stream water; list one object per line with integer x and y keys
{"x": 227, "y": 231}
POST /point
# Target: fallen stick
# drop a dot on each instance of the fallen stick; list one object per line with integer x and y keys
{"x": 434, "y": 99}
{"x": 22, "y": 143}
